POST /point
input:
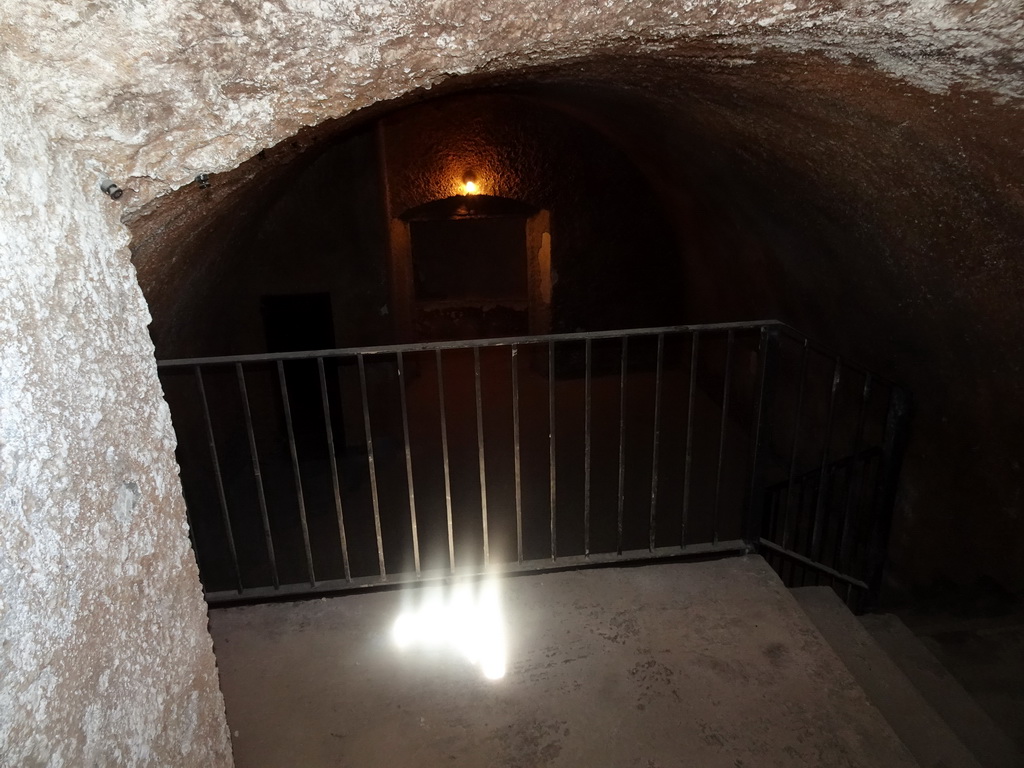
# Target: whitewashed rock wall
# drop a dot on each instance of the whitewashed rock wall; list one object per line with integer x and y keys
{"x": 104, "y": 654}
{"x": 155, "y": 92}
{"x": 105, "y": 657}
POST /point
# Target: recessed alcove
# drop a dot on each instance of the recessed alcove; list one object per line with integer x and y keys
{"x": 472, "y": 266}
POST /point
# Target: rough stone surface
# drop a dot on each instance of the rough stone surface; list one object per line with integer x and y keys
{"x": 105, "y": 655}
{"x": 156, "y": 97}
{"x": 104, "y": 658}
{"x": 709, "y": 664}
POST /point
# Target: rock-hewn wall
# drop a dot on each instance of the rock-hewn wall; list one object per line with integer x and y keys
{"x": 885, "y": 220}
{"x": 105, "y": 658}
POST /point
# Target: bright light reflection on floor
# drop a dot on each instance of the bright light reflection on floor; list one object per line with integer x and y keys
{"x": 466, "y": 618}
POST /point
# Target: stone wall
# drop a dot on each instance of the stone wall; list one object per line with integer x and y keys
{"x": 105, "y": 658}
{"x": 886, "y": 220}
{"x": 105, "y": 655}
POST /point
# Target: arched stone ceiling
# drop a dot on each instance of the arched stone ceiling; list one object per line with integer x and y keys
{"x": 159, "y": 96}
{"x": 866, "y": 156}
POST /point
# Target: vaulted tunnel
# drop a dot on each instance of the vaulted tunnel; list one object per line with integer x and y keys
{"x": 853, "y": 168}
{"x": 716, "y": 186}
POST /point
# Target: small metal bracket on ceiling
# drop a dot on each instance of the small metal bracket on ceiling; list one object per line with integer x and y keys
{"x": 110, "y": 189}
{"x": 203, "y": 180}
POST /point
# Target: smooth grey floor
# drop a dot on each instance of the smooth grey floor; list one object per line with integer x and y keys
{"x": 696, "y": 664}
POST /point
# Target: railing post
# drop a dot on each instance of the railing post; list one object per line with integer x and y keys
{"x": 894, "y": 444}
{"x": 765, "y": 396}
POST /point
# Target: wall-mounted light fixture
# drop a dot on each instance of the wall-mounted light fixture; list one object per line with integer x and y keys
{"x": 469, "y": 184}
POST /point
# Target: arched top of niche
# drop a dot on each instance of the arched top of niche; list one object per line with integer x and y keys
{"x": 467, "y": 207}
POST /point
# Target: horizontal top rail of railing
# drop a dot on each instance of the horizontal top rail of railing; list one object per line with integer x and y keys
{"x": 504, "y": 341}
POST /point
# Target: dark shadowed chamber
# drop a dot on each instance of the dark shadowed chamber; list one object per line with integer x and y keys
{"x": 408, "y": 452}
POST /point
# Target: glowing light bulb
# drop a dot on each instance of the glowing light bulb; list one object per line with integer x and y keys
{"x": 469, "y": 184}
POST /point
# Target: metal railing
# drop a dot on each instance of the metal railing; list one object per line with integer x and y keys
{"x": 328, "y": 470}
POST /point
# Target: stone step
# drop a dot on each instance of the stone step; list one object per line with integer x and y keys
{"x": 989, "y": 744}
{"x": 922, "y": 730}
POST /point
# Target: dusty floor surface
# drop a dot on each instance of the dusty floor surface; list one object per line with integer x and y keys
{"x": 698, "y": 664}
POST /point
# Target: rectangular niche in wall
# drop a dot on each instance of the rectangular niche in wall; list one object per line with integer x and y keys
{"x": 481, "y": 259}
{"x": 467, "y": 268}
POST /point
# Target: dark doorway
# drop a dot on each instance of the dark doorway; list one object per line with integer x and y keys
{"x": 298, "y": 323}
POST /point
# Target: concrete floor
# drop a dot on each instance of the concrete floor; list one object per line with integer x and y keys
{"x": 697, "y": 664}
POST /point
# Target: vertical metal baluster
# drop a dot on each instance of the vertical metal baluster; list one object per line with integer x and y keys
{"x": 254, "y": 455}
{"x": 293, "y": 450}
{"x": 856, "y": 481}
{"x": 515, "y": 443}
{"x": 799, "y": 529}
{"x": 622, "y": 441}
{"x": 721, "y": 435}
{"x": 654, "y": 457}
{"x": 785, "y": 569}
{"x": 767, "y": 383}
{"x": 480, "y": 448}
{"x": 551, "y": 443}
{"x": 372, "y": 467}
{"x": 689, "y": 437}
{"x": 586, "y": 455}
{"x": 408, "y": 464}
{"x": 334, "y": 468}
{"x": 772, "y": 525}
{"x": 221, "y": 496}
{"x": 894, "y": 444}
{"x": 817, "y": 532}
{"x": 796, "y": 442}
{"x": 447, "y": 469}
